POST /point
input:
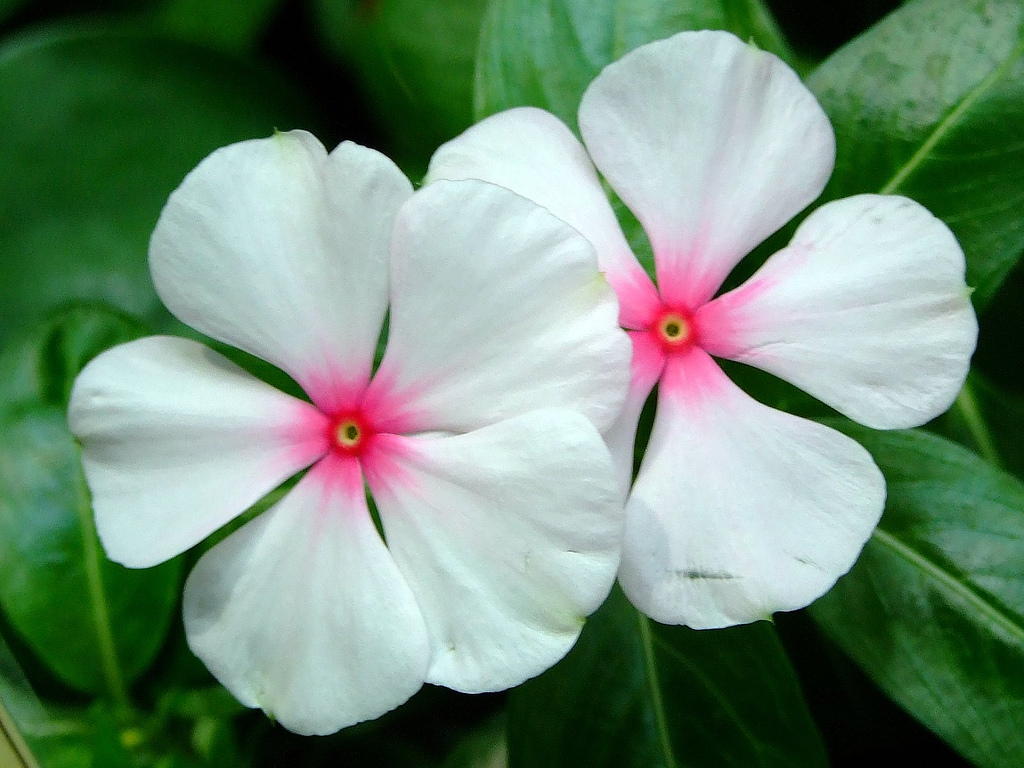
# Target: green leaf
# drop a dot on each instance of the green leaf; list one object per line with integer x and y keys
{"x": 544, "y": 53}
{"x": 41, "y": 366}
{"x": 483, "y": 747}
{"x": 96, "y": 625}
{"x": 989, "y": 420}
{"x": 930, "y": 104}
{"x": 633, "y": 694}
{"x": 99, "y": 126}
{"x": 934, "y": 609}
{"x": 231, "y": 25}
{"x": 415, "y": 60}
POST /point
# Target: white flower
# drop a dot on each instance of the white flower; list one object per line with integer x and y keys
{"x": 738, "y": 509}
{"x": 476, "y": 435}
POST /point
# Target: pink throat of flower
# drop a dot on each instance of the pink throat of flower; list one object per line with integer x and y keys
{"x": 348, "y": 433}
{"x": 674, "y": 330}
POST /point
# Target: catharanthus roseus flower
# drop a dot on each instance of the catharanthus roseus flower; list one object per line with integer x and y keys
{"x": 738, "y": 509}
{"x": 476, "y": 434}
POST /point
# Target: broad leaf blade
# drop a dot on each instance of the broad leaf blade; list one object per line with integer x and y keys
{"x": 96, "y": 625}
{"x": 99, "y": 127}
{"x": 635, "y": 694}
{"x": 231, "y": 25}
{"x": 929, "y": 103}
{"x": 934, "y": 609}
{"x": 544, "y": 53}
{"x": 989, "y": 420}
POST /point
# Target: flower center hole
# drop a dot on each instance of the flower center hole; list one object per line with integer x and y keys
{"x": 674, "y": 329}
{"x": 348, "y": 434}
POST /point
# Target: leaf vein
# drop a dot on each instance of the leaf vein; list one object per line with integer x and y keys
{"x": 950, "y": 120}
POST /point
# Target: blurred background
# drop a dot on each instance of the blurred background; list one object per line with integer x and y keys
{"x": 104, "y": 107}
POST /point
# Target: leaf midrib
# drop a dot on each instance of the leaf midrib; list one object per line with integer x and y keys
{"x": 997, "y": 619}
{"x": 648, "y": 641}
{"x": 112, "y": 675}
{"x": 950, "y": 121}
{"x": 654, "y": 685}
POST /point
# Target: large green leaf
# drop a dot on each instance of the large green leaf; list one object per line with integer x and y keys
{"x": 99, "y": 126}
{"x": 95, "y": 624}
{"x": 544, "y": 53}
{"x": 415, "y": 59}
{"x": 989, "y": 420}
{"x": 232, "y": 25}
{"x": 930, "y": 104}
{"x": 636, "y": 694}
{"x": 934, "y": 609}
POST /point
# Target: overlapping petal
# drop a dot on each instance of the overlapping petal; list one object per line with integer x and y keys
{"x": 497, "y": 309}
{"x": 177, "y": 440}
{"x": 303, "y": 612}
{"x": 866, "y": 309}
{"x": 534, "y": 154}
{"x": 509, "y": 536}
{"x": 740, "y": 510}
{"x": 647, "y": 365}
{"x": 278, "y": 248}
{"x": 713, "y": 144}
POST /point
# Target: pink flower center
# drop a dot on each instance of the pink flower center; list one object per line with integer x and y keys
{"x": 348, "y": 433}
{"x": 674, "y": 330}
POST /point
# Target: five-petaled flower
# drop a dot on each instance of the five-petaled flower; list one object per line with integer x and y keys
{"x": 477, "y": 434}
{"x": 738, "y": 509}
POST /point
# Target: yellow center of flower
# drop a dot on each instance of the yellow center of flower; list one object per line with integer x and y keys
{"x": 348, "y": 434}
{"x": 674, "y": 329}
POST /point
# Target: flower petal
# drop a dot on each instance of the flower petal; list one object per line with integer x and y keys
{"x": 620, "y": 437}
{"x": 534, "y": 154}
{"x": 713, "y": 144}
{"x": 866, "y": 309}
{"x": 280, "y": 249}
{"x": 740, "y": 510}
{"x": 497, "y": 309}
{"x": 177, "y": 440}
{"x": 303, "y": 613}
{"x": 509, "y": 536}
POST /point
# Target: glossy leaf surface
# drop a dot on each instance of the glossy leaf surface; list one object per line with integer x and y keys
{"x": 544, "y": 53}
{"x": 634, "y": 693}
{"x": 934, "y": 609}
{"x": 929, "y": 104}
{"x": 95, "y": 624}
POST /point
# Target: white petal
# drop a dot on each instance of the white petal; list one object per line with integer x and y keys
{"x": 534, "y": 154}
{"x": 303, "y": 613}
{"x": 177, "y": 440}
{"x": 620, "y": 437}
{"x": 497, "y": 309}
{"x": 713, "y": 144}
{"x": 278, "y": 248}
{"x": 509, "y": 536}
{"x": 740, "y": 510}
{"x": 866, "y": 309}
